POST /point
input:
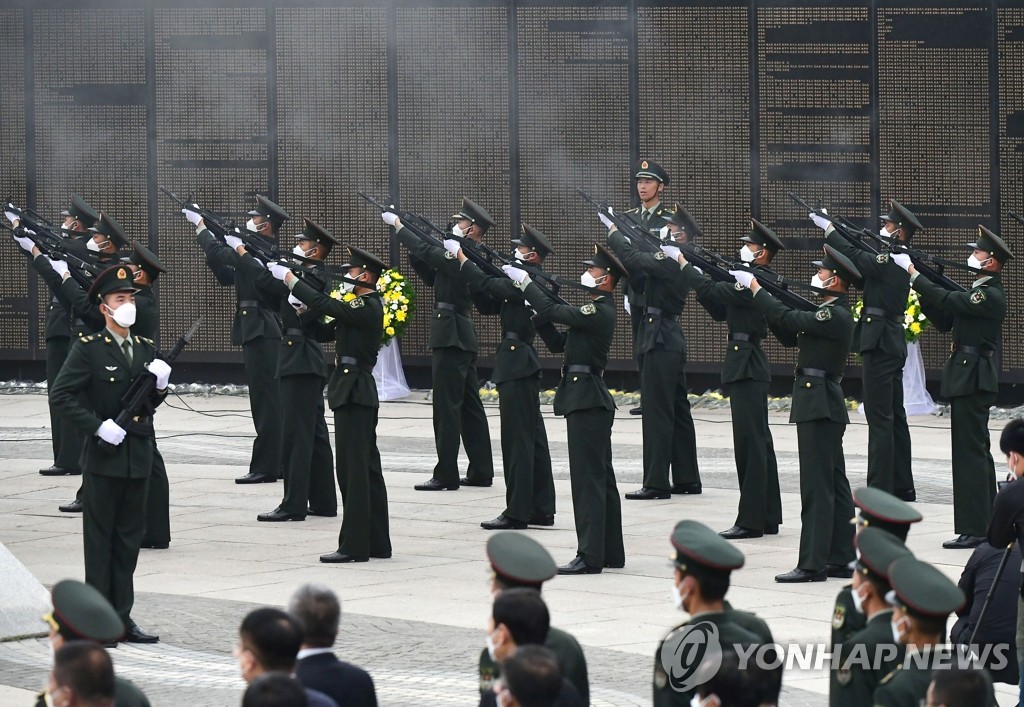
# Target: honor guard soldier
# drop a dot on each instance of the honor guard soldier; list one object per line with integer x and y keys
{"x": 302, "y": 374}
{"x": 352, "y": 394}
{"x": 257, "y": 330}
{"x": 860, "y": 662}
{"x": 970, "y": 379}
{"x": 89, "y": 389}
{"x": 875, "y": 509}
{"x": 819, "y": 411}
{"x": 745, "y": 378}
{"x": 704, "y": 563}
{"x": 456, "y": 405}
{"x": 583, "y": 398}
{"x": 521, "y": 562}
{"x": 669, "y": 438}
{"x": 526, "y": 461}
{"x": 880, "y": 340}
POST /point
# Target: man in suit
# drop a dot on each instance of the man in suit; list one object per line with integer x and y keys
{"x": 318, "y": 612}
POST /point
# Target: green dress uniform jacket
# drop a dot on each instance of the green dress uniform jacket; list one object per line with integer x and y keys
{"x": 864, "y": 659}
{"x": 570, "y": 658}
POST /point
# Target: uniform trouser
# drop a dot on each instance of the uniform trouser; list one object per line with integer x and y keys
{"x": 670, "y": 440}
{"x": 260, "y": 357}
{"x": 66, "y": 437}
{"x": 754, "y": 449}
{"x": 826, "y": 534}
{"x": 889, "y": 466}
{"x": 113, "y": 523}
{"x": 595, "y": 498}
{"x": 158, "y": 501}
{"x": 636, "y": 316}
{"x": 364, "y": 496}
{"x": 526, "y": 460}
{"x": 974, "y": 473}
{"x": 458, "y": 412}
{"x": 307, "y": 456}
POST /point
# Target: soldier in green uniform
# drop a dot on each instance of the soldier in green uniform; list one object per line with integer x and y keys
{"x": 745, "y": 377}
{"x": 875, "y": 509}
{"x": 704, "y": 563}
{"x": 861, "y": 661}
{"x": 352, "y": 394}
{"x": 89, "y": 388}
{"x": 669, "y": 438}
{"x": 257, "y": 330}
{"x": 456, "y": 405}
{"x": 880, "y": 340}
{"x": 970, "y": 379}
{"x": 519, "y": 561}
{"x": 583, "y": 398}
{"x": 526, "y": 461}
{"x": 302, "y": 374}
{"x": 819, "y": 411}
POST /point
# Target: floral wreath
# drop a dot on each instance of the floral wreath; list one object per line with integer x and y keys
{"x": 914, "y": 319}
{"x": 399, "y": 302}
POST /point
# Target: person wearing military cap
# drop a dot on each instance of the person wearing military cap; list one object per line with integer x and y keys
{"x": 89, "y": 389}
{"x": 107, "y": 236}
{"x": 745, "y": 378}
{"x": 358, "y": 328}
{"x": 970, "y": 378}
{"x": 704, "y": 562}
{"x": 819, "y": 411}
{"x": 880, "y": 339}
{"x": 302, "y": 374}
{"x": 257, "y": 330}
{"x": 583, "y": 398}
{"x": 518, "y": 561}
{"x": 455, "y": 402}
{"x": 80, "y": 613}
{"x": 526, "y": 461}
{"x": 861, "y": 661}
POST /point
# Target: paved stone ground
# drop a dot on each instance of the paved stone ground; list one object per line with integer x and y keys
{"x": 416, "y": 621}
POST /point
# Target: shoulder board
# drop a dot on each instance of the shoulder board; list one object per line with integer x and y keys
{"x": 88, "y": 339}
{"x": 357, "y": 303}
{"x": 890, "y": 676}
{"x": 658, "y": 211}
{"x": 823, "y": 314}
{"x": 588, "y": 308}
{"x": 978, "y": 295}
{"x": 143, "y": 339}
{"x": 882, "y": 258}
{"x": 660, "y": 255}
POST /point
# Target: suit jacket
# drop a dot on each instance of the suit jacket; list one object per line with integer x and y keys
{"x": 344, "y": 683}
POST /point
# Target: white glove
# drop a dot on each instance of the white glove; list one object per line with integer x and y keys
{"x": 233, "y": 242}
{"x": 25, "y": 243}
{"x": 12, "y": 217}
{"x": 162, "y": 370}
{"x": 193, "y": 217}
{"x": 605, "y": 220}
{"x": 744, "y": 277}
{"x": 671, "y": 251}
{"x": 111, "y": 432}
{"x": 296, "y": 303}
{"x": 452, "y": 245}
{"x": 903, "y": 260}
{"x": 389, "y": 218}
{"x": 59, "y": 266}
{"x": 819, "y": 221}
{"x": 625, "y": 305}
{"x": 515, "y": 274}
{"x": 277, "y": 270}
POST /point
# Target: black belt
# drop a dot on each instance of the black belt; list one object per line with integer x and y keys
{"x": 876, "y": 312}
{"x": 349, "y": 361}
{"x": 975, "y": 351}
{"x": 294, "y": 332}
{"x": 818, "y": 373}
{"x": 516, "y": 336}
{"x": 249, "y": 303}
{"x": 654, "y": 311}
{"x": 448, "y": 306}
{"x": 592, "y": 370}
{"x": 740, "y": 336}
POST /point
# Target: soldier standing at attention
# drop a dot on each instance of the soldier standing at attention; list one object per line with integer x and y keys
{"x": 970, "y": 379}
{"x": 819, "y": 411}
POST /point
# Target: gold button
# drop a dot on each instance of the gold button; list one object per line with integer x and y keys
{"x": 965, "y": 361}
{"x": 735, "y": 348}
{"x": 289, "y": 343}
{"x": 512, "y": 348}
{"x": 574, "y": 379}
{"x": 344, "y": 370}
{"x": 111, "y": 380}
{"x": 868, "y": 319}
{"x": 244, "y": 312}
{"x": 808, "y": 384}
{"x": 438, "y": 315}
{"x": 650, "y": 319}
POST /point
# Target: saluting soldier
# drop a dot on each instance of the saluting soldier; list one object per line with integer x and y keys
{"x": 970, "y": 378}
{"x": 89, "y": 388}
{"x": 352, "y": 394}
{"x": 526, "y": 461}
{"x": 879, "y": 338}
{"x": 583, "y": 398}
{"x": 745, "y": 377}
{"x": 455, "y": 403}
{"x": 257, "y": 329}
{"x": 860, "y": 662}
{"x": 819, "y": 411}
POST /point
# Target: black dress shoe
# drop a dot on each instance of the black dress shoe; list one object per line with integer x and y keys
{"x": 638, "y": 410}
{"x": 693, "y": 489}
{"x": 646, "y": 494}
{"x": 277, "y": 515}
{"x": 771, "y": 529}
{"x": 540, "y": 519}
{"x": 322, "y": 514}
{"x": 963, "y": 542}
{"x": 251, "y": 478}
{"x": 73, "y": 507}
{"x": 337, "y": 558}
{"x": 799, "y": 575}
{"x": 578, "y": 566}
{"x": 464, "y": 481}
{"x": 839, "y": 571}
{"x": 737, "y": 532}
{"x": 614, "y": 565}
{"x": 156, "y": 546}
{"x": 503, "y": 522}
{"x": 136, "y": 635}
{"x": 908, "y": 495}
{"x": 435, "y": 485}
{"x": 59, "y": 471}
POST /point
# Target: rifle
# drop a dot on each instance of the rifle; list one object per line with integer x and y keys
{"x": 218, "y": 225}
{"x": 853, "y": 233}
{"x": 32, "y": 221}
{"x": 83, "y": 271}
{"x": 135, "y": 401}
{"x": 629, "y": 227}
{"x": 1016, "y": 217}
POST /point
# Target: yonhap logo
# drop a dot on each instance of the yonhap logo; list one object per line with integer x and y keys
{"x": 691, "y": 656}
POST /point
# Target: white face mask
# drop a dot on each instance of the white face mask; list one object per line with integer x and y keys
{"x": 858, "y": 600}
{"x": 677, "y": 597}
{"x": 818, "y": 282}
{"x": 747, "y": 255}
{"x": 123, "y": 315}
{"x": 94, "y": 246}
{"x": 588, "y": 280}
{"x": 973, "y": 262}
{"x": 897, "y": 635}
{"x": 297, "y": 250}
{"x": 458, "y": 232}
{"x": 250, "y": 225}
{"x": 520, "y": 256}
{"x": 347, "y": 287}
{"x": 491, "y": 648}
{"x": 884, "y": 233}
{"x": 696, "y": 700}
